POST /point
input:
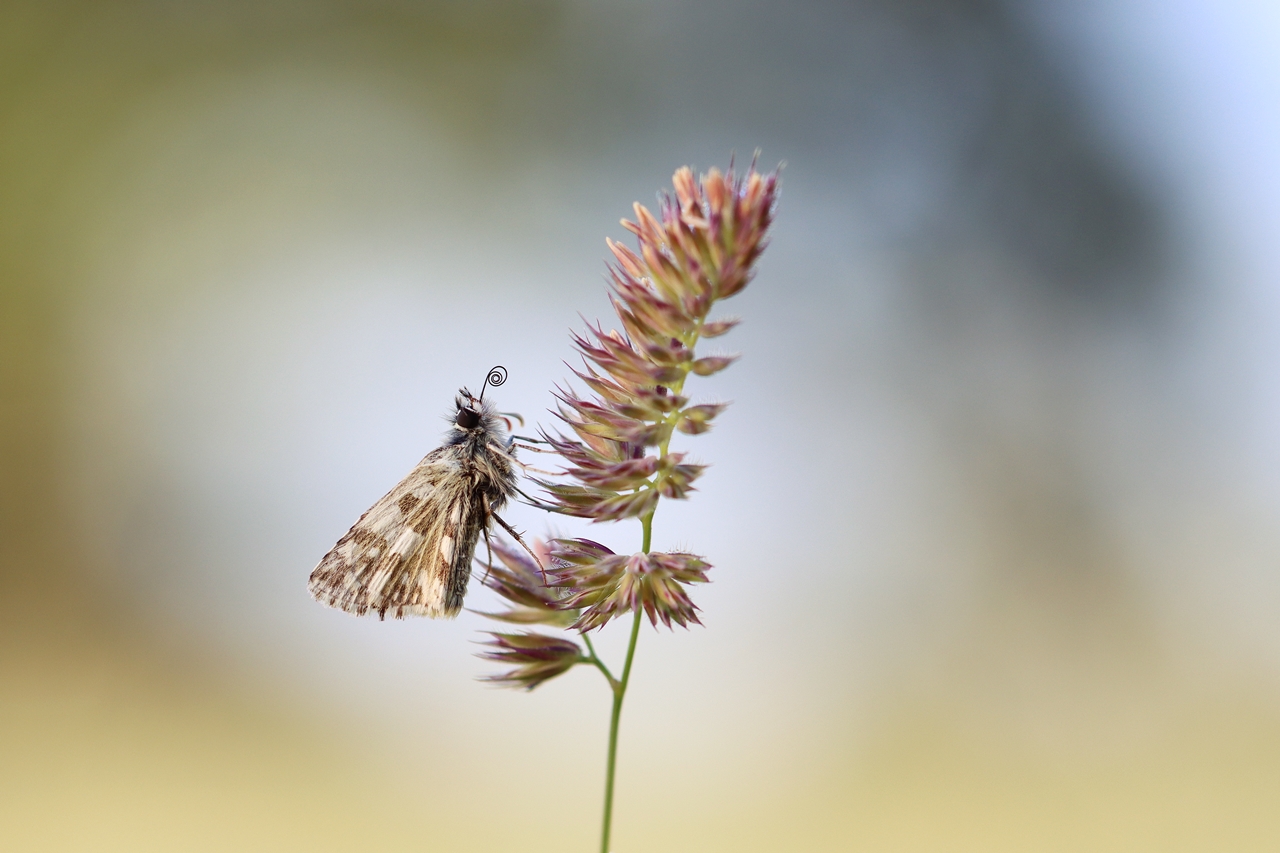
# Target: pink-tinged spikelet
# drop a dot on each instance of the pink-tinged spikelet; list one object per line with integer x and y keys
{"x": 700, "y": 248}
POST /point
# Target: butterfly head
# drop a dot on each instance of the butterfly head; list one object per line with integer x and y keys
{"x": 477, "y": 416}
{"x": 470, "y": 411}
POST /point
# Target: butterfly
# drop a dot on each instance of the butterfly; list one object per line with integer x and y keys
{"x": 411, "y": 553}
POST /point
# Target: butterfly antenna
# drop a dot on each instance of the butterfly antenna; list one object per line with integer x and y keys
{"x": 497, "y": 375}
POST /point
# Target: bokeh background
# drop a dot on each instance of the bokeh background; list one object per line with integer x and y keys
{"x": 995, "y": 516}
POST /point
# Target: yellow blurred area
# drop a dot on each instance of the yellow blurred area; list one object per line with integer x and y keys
{"x": 983, "y": 581}
{"x": 105, "y": 752}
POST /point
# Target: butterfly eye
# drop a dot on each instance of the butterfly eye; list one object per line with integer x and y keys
{"x": 468, "y": 418}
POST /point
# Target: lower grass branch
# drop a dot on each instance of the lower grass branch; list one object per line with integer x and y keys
{"x": 594, "y": 660}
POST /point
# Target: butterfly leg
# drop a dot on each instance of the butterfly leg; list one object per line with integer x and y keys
{"x": 528, "y": 468}
{"x": 534, "y": 502}
{"x": 515, "y": 439}
{"x": 516, "y": 536}
{"x": 533, "y": 449}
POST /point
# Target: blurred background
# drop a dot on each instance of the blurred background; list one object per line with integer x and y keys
{"x": 995, "y": 516}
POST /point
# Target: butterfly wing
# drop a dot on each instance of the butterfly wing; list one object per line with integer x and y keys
{"x": 410, "y": 554}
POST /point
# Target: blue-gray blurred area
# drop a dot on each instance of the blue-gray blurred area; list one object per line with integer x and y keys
{"x": 994, "y": 516}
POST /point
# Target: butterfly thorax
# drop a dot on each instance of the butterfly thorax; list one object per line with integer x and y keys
{"x": 483, "y": 451}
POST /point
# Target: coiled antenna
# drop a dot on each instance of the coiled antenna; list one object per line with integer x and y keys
{"x": 497, "y": 375}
